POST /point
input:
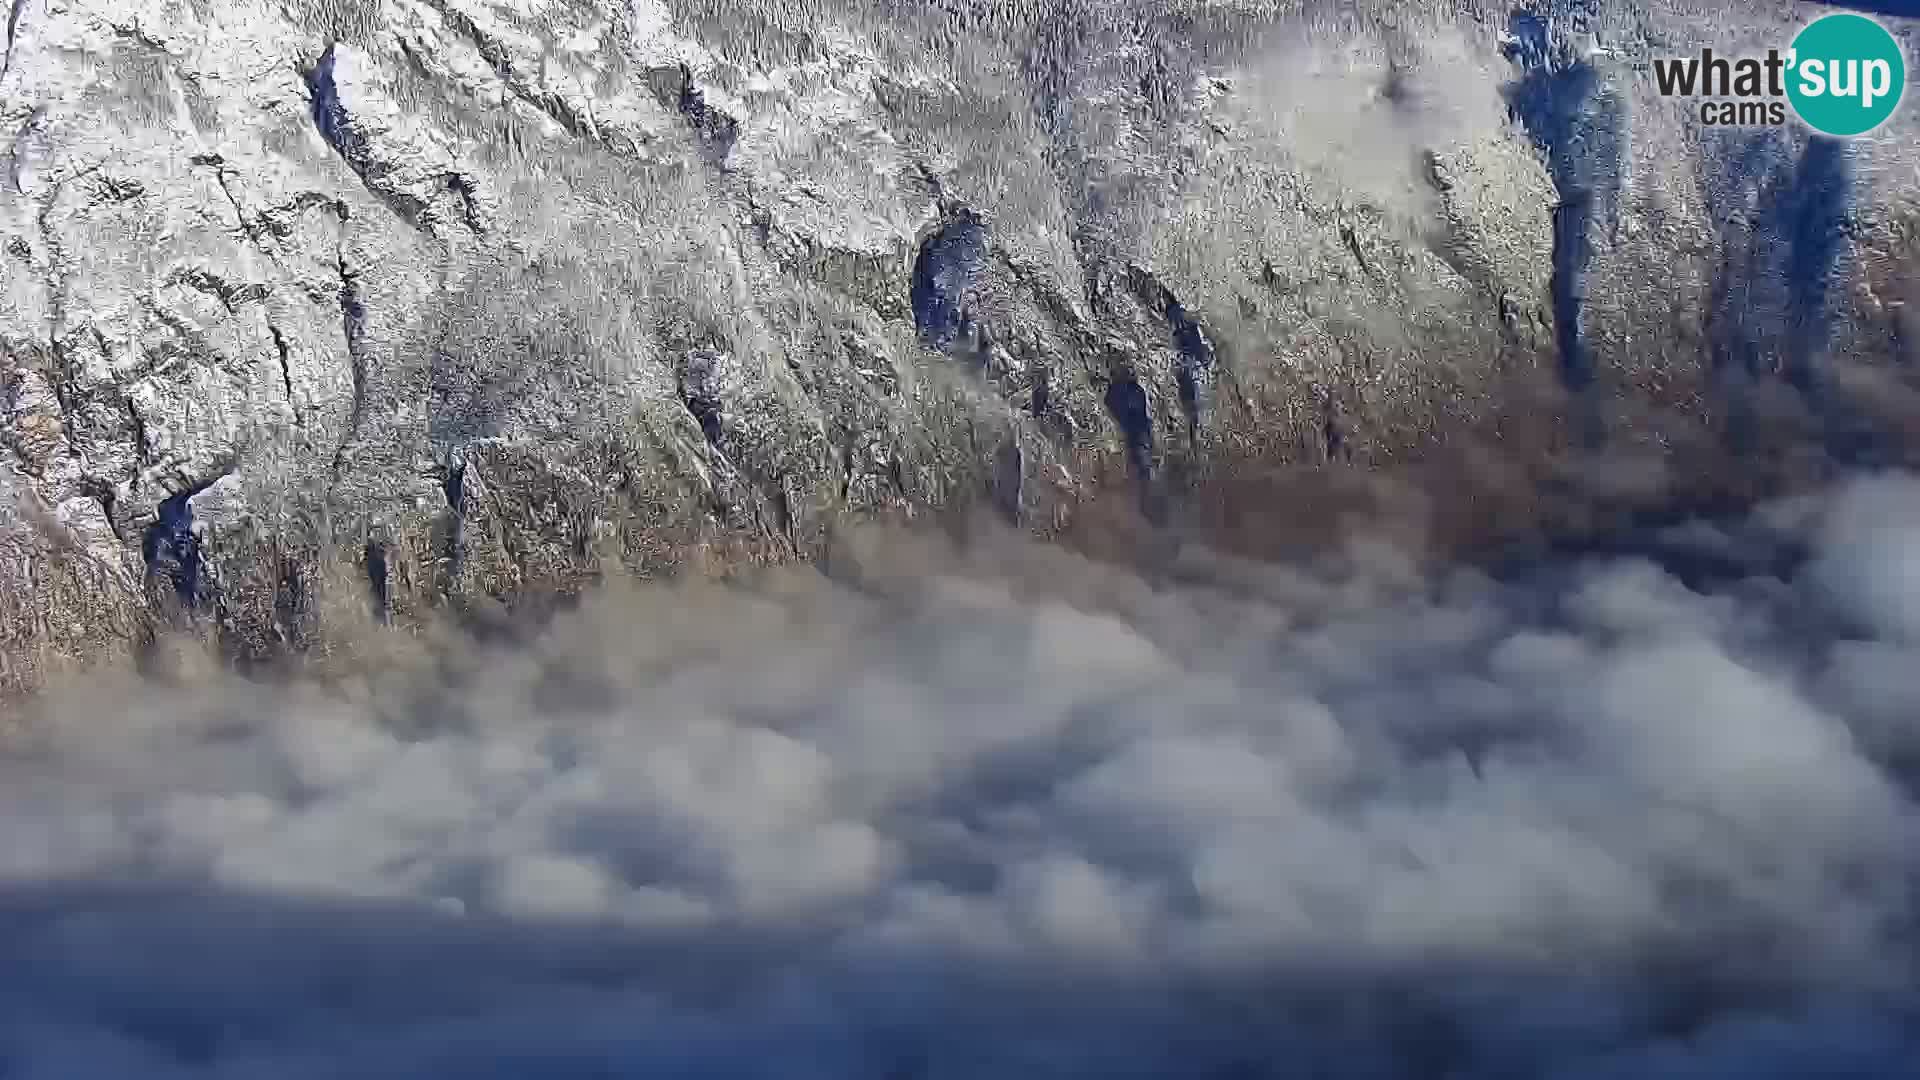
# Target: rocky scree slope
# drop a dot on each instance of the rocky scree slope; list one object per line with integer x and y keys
{"x": 316, "y": 308}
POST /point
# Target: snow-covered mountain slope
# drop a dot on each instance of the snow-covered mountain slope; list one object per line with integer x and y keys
{"x": 315, "y": 300}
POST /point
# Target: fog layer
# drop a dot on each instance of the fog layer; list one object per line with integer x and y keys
{"x": 995, "y": 811}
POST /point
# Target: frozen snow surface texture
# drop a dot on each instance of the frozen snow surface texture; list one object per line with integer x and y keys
{"x": 320, "y": 305}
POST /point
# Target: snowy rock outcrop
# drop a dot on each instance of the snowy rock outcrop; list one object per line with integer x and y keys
{"x": 315, "y": 305}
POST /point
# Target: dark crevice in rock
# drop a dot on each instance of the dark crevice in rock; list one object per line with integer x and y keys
{"x": 61, "y": 381}
{"x": 463, "y": 186}
{"x": 785, "y": 520}
{"x": 490, "y": 50}
{"x": 379, "y": 593}
{"x": 1352, "y": 240}
{"x": 897, "y": 476}
{"x": 292, "y": 605}
{"x": 1397, "y": 89}
{"x": 219, "y": 166}
{"x": 1786, "y": 224}
{"x": 1509, "y": 311}
{"x": 415, "y": 65}
{"x": 1571, "y": 219}
{"x": 1738, "y": 325}
{"x": 102, "y": 492}
{"x": 716, "y": 128}
{"x": 353, "y": 317}
{"x": 330, "y": 114}
{"x": 928, "y": 182}
{"x": 1817, "y": 218}
{"x": 675, "y": 88}
{"x": 1578, "y": 124}
{"x": 142, "y": 443}
{"x": 1189, "y": 387}
{"x": 14, "y": 11}
{"x": 706, "y": 413}
{"x": 1333, "y": 433}
{"x": 171, "y": 549}
{"x": 1009, "y": 479}
{"x": 1194, "y": 367}
{"x": 270, "y": 218}
{"x": 276, "y": 221}
{"x": 501, "y": 61}
{"x": 121, "y": 188}
{"x": 700, "y": 393}
{"x": 1127, "y": 403}
{"x": 972, "y": 340}
{"x": 943, "y": 274}
{"x": 1042, "y": 402}
{"x": 285, "y": 354}
{"x": 205, "y": 281}
{"x": 335, "y": 125}
{"x": 454, "y": 487}
{"x": 35, "y": 124}
{"x": 151, "y": 45}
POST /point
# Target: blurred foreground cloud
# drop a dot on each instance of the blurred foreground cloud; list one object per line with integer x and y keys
{"x": 995, "y": 810}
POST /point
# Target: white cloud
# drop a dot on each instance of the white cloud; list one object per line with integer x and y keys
{"x": 1006, "y": 812}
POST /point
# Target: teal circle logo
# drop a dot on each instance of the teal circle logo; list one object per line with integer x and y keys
{"x": 1845, "y": 74}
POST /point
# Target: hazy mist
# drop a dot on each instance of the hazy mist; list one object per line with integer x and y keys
{"x": 994, "y": 810}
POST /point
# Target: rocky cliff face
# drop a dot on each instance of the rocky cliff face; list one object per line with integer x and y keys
{"x": 317, "y": 307}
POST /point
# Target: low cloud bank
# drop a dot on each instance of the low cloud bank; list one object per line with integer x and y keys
{"x": 998, "y": 811}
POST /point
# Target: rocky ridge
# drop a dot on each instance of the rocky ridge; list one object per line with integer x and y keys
{"x": 316, "y": 309}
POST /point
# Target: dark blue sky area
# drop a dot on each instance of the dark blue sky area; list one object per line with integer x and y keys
{"x": 1909, "y": 8}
